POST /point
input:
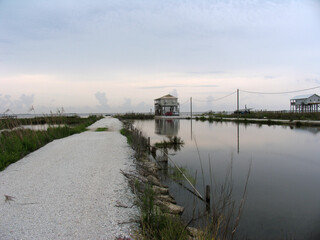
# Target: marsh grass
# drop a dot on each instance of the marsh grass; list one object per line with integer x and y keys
{"x": 101, "y": 129}
{"x": 270, "y": 115}
{"x": 134, "y": 116}
{"x": 155, "y": 224}
{"x": 128, "y": 134}
{"x": 223, "y": 219}
{"x": 174, "y": 143}
{"x": 220, "y": 222}
{"x": 179, "y": 175}
{"x": 18, "y": 142}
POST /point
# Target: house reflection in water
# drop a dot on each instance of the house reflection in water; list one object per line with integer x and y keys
{"x": 167, "y": 127}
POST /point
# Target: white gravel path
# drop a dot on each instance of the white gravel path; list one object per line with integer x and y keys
{"x": 69, "y": 188}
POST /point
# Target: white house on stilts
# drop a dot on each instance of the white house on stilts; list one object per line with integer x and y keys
{"x": 305, "y": 103}
{"x": 166, "y": 106}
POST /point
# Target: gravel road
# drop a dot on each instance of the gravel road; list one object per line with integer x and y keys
{"x": 69, "y": 189}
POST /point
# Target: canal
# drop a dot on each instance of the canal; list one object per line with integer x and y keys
{"x": 282, "y": 199}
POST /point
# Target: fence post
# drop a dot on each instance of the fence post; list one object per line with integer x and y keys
{"x": 208, "y": 197}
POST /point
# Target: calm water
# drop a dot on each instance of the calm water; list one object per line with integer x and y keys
{"x": 283, "y": 196}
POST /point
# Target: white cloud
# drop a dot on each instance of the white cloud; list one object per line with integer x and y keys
{"x": 174, "y": 92}
{"x": 136, "y": 49}
{"x": 20, "y": 105}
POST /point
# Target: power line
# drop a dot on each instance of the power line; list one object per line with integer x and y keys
{"x": 301, "y": 90}
{"x": 185, "y": 102}
{"x": 217, "y": 99}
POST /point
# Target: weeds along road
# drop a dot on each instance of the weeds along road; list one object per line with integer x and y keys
{"x": 69, "y": 189}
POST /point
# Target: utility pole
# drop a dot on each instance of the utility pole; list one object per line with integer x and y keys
{"x": 238, "y": 102}
{"x": 191, "y": 107}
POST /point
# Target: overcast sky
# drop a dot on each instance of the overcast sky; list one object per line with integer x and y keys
{"x": 118, "y": 55}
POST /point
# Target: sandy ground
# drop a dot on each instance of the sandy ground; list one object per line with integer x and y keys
{"x": 69, "y": 189}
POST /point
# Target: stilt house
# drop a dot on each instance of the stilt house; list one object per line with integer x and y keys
{"x": 166, "y": 106}
{"x": 305, "y": 103}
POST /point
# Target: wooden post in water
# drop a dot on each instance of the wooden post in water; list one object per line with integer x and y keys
{"x": 154, "y": 152}
{"x": 208, "y": 197}
{"x": 165, "y": 155}
{"x": 148, "y": 145}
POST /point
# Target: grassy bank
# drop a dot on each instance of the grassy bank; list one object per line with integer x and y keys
{"x": 18, "y": 143}
{"x": 313, "y": 116}
{"x": 155, "y": 223}
{"x": 134, "y": 116}
{"x": 10, "y": 123}
{"x": 221, "y": 216}
{"x": 291, "y": 119}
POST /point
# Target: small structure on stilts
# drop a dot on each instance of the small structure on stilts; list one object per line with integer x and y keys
{"x": 166, "y": 106}
{"x": 305, "y": 103}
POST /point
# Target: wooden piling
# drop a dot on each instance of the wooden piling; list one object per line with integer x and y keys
{"x": 148, "y": 145}
{"x": 207, "y": 197}
{"x": 165, "y": 155}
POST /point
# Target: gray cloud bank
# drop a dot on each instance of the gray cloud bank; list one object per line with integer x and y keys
{"x": 186, "y": 36}
{"x": 20, "y": 105}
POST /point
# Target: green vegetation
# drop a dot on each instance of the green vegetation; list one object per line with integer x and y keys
{"x": 15, "y": 144}
{"x": 155, "y": 224}
{"x": 128, "y": 134}
{"x": 101, "y": 129}
{"x": 174, "y": 143}
{"x": 134, "y": 116}
{"x": 10, "y": 123}
{"x": 263, "y": 117}
{"x": 270, "y": 115}
{"x": 177, "y": 175}
{"x": 220, "y": 220}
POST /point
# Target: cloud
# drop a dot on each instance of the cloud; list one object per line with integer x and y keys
{"x": 127, "y": 106}
{"x": 312, "y": 80}
{"x": 205, "y": 86}
{"x": 161, "y": 86}
{"x": 269, "y": 77}
{"x": 207, "y": 73}
{"x": 20, "y": 105}
{"x": 174, "y": 92}
{"x": 102, "y": 99}
{"x": 182, "y": 86}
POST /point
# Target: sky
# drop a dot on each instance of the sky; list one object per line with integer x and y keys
{"x": 105, "y": 56}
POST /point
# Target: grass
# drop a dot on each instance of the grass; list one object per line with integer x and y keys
{"x": 271, "y": 115}
{"x": 101, "y": 129}
{"x": 134, "y": 116}
{"x": 174, "y": 143}
{"x": 264, "y": 117}
{"x": 177, "y": 175}
{"x": 10, "y": 123}
{"x": 15, "y": 144}
{"x": 222, "y": 220}
{"x": 128, "y": 134}
{"x": 155, "y": 224}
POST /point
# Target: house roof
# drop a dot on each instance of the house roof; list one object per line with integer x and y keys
{"x": 168, "y": 96}
{"x": 303, "y": 96}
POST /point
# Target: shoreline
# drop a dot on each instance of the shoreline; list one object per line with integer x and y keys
{"x": 297, "y": 123}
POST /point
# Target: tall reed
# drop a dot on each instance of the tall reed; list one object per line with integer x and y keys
{"x": 16, "y": 142}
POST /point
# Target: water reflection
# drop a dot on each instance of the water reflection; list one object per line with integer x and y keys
{"x": 238, "y": 139}
{"x": 168, "y": 127}
{"x": 312, "y": 130}
{"x": 282, "y": 197}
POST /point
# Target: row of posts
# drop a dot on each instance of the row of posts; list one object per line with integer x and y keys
{"x": 143, "y": 143}
{"x": 139, "y": 141}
